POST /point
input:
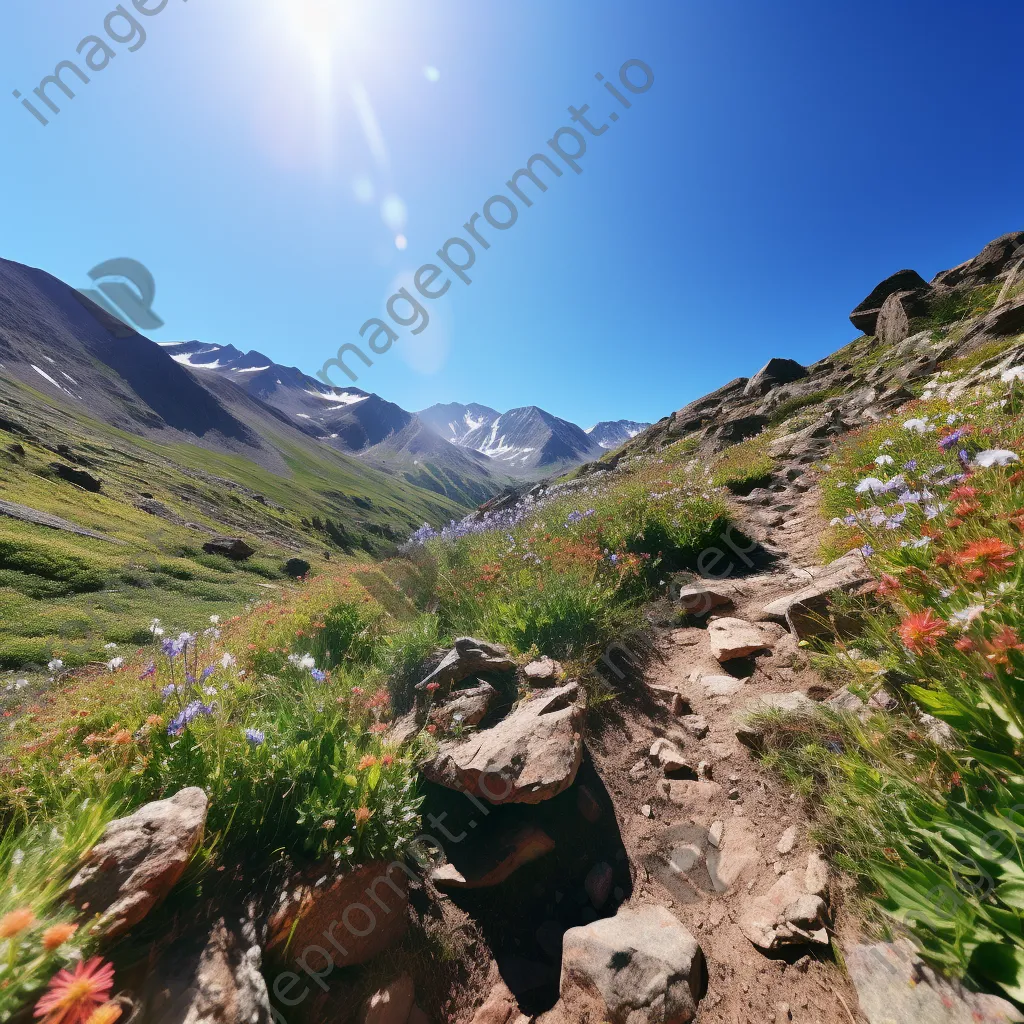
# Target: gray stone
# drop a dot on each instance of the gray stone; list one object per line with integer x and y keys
{"x": 464, "y": 708}
{"x": 669, "y": 756}
{"x": 772, "y": 374}
{"x": 233, "y": 548}
{"x": 468, "y": 657}
{"x": 894, "y": 986}
{"x": 219, "y": 982}
{"x": 786, "y": 915}
{"x": 639, "y": 967}
{"x": 865, "y": 315}
{"x": 530, "y": 756}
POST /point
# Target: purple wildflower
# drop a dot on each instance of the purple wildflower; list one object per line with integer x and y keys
{"x": 867, "y": 550}
{"x": 255, "y": 737}
{"x": 950, "y": 440}
{"x": 910, "y": 465}
{"x": 318, "y": 674}
{"x": 150, "y": 671}
{"x": 195, "y": 709}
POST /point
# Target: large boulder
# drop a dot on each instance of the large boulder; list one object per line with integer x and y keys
{"x": 78, "y": 477}
{"x": 230, "y": 547}
{"x": 216, "y": 982}
{"x": 529, "y": 756}
{"x": 639, "y": 967}
{"x": 346, "y": 915}
{"x": 468, "y": 657}
{"x": 897, "y": 312}
{"x": 138, "y": 860}
{"x": 1004, "y": 320}
{"x": 895, "y": 986}
{"x": 772, "y": 374}
{"x": 865, "y": 315}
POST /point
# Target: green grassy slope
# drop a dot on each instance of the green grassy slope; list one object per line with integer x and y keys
{"x": 66, "y": 595}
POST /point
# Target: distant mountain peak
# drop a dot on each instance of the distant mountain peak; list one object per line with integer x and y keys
{"x": 611, "y": 434}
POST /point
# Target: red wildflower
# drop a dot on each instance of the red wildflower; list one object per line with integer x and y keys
{"x": 965, "y": 644}
{"x": 363, "y": 815}
{"x": 432, "y": 687}
{"x": 368, "y": 761}
{"x": 998, "y": 648}
{"x": 387, "y": 760}
{"x": 963, "y": 493}
{"x": 990, "y": 554}
{"x": 72, "y": 997}
{"x": 966, "y": 508}
{"x": 888, "y": 585}
{"x": 922, "y": 630}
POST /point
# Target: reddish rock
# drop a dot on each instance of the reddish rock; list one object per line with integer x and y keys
{"x": 544, "y": 672}
{"x": 390, "y": 1005}
{"x": 362, "y": 909}
{"x": 139, "y": 860}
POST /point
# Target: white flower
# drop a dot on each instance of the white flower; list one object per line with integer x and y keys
{"x": 918, "y": 425}
{"x": 994, "y": 457}
{"x": 869, "y": 483}
{"x": 21, "y": 684}
{"x": 56, "y": 665}
{"x": 110, "y": 647}
{"x": 210, "y": 691}
{"x": 227, "y": 661}
{"x": 215, "y": 619}
{"x": 883, "y": 460}
{"x": 1014, "y": 373}
{"x": 887, "y": 443}
{"x": 952, "y": 418}
{"x": 114, "y": 664}
{"x": 304, "y": 661}
{"x": 967, "y": 615}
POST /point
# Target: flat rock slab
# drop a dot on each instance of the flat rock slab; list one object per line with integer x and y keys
{"x": 528, "y": 757}
{"x": 495, "y": 860}
{"x": 139, "y": 859}
{"x": 639, "y": 967}
{"x": 13, "y": 510}
{"x": 735, "y": 638}
{"x": 895, "y": 987}
{"x": 544, "y": 672}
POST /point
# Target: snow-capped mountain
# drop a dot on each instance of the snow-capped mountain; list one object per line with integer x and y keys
{"x": 345, "y": 418}
{"x": 454, "y": 422}
{"x": 526, "y": 441}
{"x": 612, "y": 434}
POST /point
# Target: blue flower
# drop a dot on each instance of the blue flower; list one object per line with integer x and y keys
{"x": 910, "y": 464}
{"x": 150, "y": 671}
{"x": 207, "y": 672}
{"x": 255, "y": 737}
{"x": 195, "y": 709}
{"x": 951, "y": 439}
{"x": 318, "y": 674}
{"x": 867, "y": 550}
{"x": 168, "y": 691}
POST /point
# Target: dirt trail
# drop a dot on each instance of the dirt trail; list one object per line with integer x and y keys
{"x": 669, "y": 828}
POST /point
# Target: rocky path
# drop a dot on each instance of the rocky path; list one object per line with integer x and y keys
{"x": 714, "y": 837}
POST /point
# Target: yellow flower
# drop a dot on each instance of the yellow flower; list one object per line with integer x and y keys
{"x": 105, "y": 1014}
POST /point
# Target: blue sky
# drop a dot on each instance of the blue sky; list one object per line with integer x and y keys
{"x": 261, "y": 156}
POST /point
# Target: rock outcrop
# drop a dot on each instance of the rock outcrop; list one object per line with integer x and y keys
{"x": 530, "y": 756}
{"x": 865, "y": 315}
{"x": 894, "y": 986}
{"x": 139, "y": 860}
{"x": 233, "y": 548}
{"x": 468, "y": 657}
